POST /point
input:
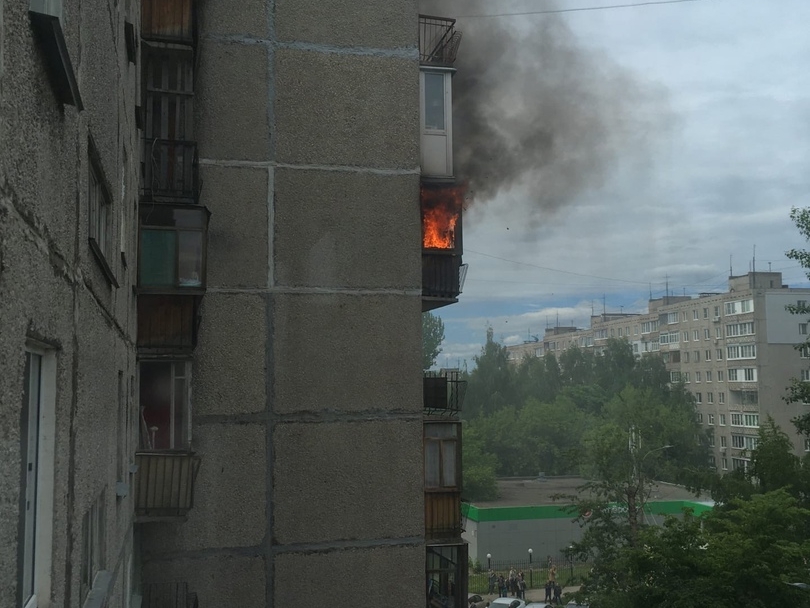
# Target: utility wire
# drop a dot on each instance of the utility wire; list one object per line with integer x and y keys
{"x": 552, "y": 11}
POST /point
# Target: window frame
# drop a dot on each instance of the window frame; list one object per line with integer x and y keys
{"x": 451, "y": 442}
{"x": 100, "y": 214}
{"x": 147, "y": 434}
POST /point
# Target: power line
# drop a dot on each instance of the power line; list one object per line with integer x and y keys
{"x": 574, "y": 10}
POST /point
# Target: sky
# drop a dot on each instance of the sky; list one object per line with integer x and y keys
{"x": 687, "y": 146}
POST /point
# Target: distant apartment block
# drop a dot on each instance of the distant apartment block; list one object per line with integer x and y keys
{"x": 735, "y": 351}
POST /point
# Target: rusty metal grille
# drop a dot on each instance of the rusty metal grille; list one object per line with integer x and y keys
{"x": 444, "y": 391}
{"x": 438, "y": 40}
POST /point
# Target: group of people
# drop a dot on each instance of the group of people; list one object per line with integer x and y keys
{"x": 515, "y": 583}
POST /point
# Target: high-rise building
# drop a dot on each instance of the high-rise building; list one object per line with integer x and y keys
{"x": 212, "y": 224}
{"x": 735, "y": 351}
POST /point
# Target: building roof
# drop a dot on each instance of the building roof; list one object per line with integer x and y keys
{"x": 534, "y": 491}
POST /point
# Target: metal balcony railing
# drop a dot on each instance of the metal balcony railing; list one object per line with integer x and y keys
{"x": 164, "y": 484}
{"x": 438, "y": 40}
{"x": 170, "y": 170}
{"x": 442, "y": 275}
{"x": 444, "y": 391}
{"x": 168, "y": 595}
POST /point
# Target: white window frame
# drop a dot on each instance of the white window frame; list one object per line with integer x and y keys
{"x": 36, "y": 568}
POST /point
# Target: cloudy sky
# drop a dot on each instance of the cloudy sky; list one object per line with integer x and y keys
{"x": 673, "y": 140}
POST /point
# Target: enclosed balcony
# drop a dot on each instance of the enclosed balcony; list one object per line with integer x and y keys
{"x": 164, "y": 484}
{"x": 173, "y": 247}
{"x": 170, "y": 171}
{"x": 168, "y": 21}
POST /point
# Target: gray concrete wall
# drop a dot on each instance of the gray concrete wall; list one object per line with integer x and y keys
{"x": 511, "y": 540}
{"x": 307, "y": 376}
{"x": 52, "y": 288}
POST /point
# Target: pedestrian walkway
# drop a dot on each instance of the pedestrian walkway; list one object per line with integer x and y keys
{"x": 535, "y": 595}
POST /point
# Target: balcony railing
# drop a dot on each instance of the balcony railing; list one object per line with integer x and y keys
{"x": 164, "y": 484}
{"x": 443, "y": 277}
{"x": 170, "y": 170}
{"x": 168, "y": 595}
{"x": 444, "y": 391}
{"x": 438, "y": 40}
{"x": 443, "y": 519}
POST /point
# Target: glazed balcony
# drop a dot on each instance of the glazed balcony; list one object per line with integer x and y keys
{"x": 170, "y": 171}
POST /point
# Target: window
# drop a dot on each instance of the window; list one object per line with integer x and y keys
{"x": 801, "y": 304}
{"x": 718, "y": 332}
{"x": 620, "y": 332}
{"x": 751, "y": 421}
{"x": 683, "y": 316}
{"x": 434, "y": 101}
{"x": 685, "y": 377}
{"x": 751, "y": 442}
{"x": 699, "y": 399}
{"x": 686, "y": 336}
{"x": 725, "y": 464}
{"x": 708, "y": 375}
{"x": 804, "y": 352}
{"x": 720, "y": 375}
{"x": 674, "y": 376}
{"x": 711, "y": 441}
{"x": 695, "y": 335}
{"x": 686, "y": 357}
{"x": 697, "y": 376}
{"x": 712, "y": 461}
{"x": 750, "y": 374}
{"x": 723, "y": 441}
{"x": 711, "y": 419}
{"x": 100, "y": 214}
{"x": 93, "y": 545}
{"x": 806, "y": 375}
{"x": 165, "y": 405}
{"x": 696, "y": 354}
{"x": 739, "y": 307}
{"x": 37, "y": 432}
{"x": 441, "y": 455}
{"x": 705, "y": 313}
{"x": 803, "y": 329}
{"x": 807, "y": 445}
{"x": 742, "y": 351}
{"x": 707, "y": 354}
{"x": 716, "y": 311}
{"x": 732, "y": 375}
{"x": 707, "y": 334}
{"x": 738, "y": 441}
{"x": 740, "y": 329}
{"x": 695, "y": 314}
{"x": 719, "y": 354}
{"x": 700, "y": 418}
{"x": 721, "y": 398}
{"x": 736, "y": 419}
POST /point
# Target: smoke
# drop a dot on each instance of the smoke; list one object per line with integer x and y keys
{"x": 536, "y": 112}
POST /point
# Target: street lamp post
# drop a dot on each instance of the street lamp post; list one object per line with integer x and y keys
{"x": 571, "y": 563}
{"x": 489, "y": 561}
{"x": 531, "y": 581}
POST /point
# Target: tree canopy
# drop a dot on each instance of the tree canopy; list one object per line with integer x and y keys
{"x": 432, "y": 338}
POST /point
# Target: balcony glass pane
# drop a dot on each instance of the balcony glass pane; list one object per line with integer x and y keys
{"x": 190, "y": 262}
{"x": 157, "y": 259}
{"x": 432, "y": 472}
{"x": 449, "y": 464}
{"x": 434, "y": 101}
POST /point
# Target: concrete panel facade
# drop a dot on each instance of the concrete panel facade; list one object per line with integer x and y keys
{"x": 56, "y": 300}
{"x": 306, "y": 391}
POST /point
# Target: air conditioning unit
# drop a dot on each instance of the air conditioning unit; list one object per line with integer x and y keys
{"x": 717, "y": 319}
{"x": 722, "y": 450}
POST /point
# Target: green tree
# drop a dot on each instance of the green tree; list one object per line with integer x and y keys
{"x": 491, "y": 385}
{"x": 478, "y": 468}
{"x": 798, "y": 391}
{"x": 432, "y": 338}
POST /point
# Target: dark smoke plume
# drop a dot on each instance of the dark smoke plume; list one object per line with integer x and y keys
{"x": 535, "y": 110}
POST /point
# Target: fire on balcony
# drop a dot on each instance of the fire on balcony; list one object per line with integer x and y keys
{"x": 441, "y": 215}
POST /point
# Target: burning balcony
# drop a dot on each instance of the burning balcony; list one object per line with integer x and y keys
{"x": 438, "y": 40}
{"x": 164, "y": 484}
{"x": 443, "y": 392}
{"x": 442, "y": 271}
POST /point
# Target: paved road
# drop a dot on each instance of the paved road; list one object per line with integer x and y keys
{"x": 536, "y": 595}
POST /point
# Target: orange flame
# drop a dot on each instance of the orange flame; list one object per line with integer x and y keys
{"x": 441, "y": 211}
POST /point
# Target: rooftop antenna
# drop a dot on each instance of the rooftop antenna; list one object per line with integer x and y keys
{"x": 592, "y": 307}
{"x": 753, "y": 269}
{"x": 558, "y": 318}
{"x": 667, "y": 287}
{"x": 604, "y": 305}
{"x": 650, "y": 290}
{"x": 730, "y": 268}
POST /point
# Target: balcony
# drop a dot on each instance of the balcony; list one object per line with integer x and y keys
{"x": 170, "y": 171}
{"x": 168, "y": 21}
{"x": 173, "y": 247}
{"x": 443, "y": 272}
{"x": 168, "y": 595}
{"x": 164, "y": 485}
{"x": 443, "y": 515}
{"x": 438, "y": 40}
{"x": 443, "y": 392}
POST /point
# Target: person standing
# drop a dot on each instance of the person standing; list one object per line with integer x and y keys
{"x": 548, "y": 591}
{"x": 513, "y": 581}
{"x": 492, "y": 581}
{"x": 501, "y": 586}
{"x": 557, "y": 593}
{"x": 521, "y": 586}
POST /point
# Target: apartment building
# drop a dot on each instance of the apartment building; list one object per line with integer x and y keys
{"x": 213, "y": 225}
{"x": 735, "y": 351}
{"x": 69, "y": 173}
